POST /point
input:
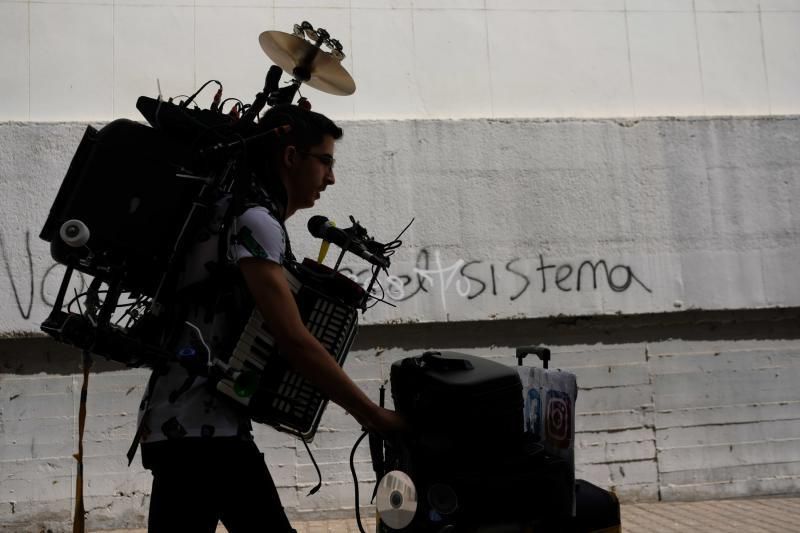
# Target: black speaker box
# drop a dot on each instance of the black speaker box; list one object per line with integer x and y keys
{"x": 123, "y": 184}
{"x": 459, "y": 404}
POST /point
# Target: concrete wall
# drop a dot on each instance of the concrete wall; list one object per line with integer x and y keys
{"x": 412, "y": 58}
{"x": 680, "y": 406}
{"x": 512, "y": 218}
{"x": 687, "y": 374}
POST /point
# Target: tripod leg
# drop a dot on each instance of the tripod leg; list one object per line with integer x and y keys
{"x": 79, "y": 520}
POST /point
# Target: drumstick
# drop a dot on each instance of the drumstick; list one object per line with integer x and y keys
{"x": 323, "y": 248}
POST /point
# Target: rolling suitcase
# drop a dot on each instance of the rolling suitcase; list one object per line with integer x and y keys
{"x": 476, "y": 460}
{"x": 469, "y": 457}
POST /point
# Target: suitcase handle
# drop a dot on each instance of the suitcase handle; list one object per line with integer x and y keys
{"x": 444, "y": 364}
{"x": 540, "y": 351}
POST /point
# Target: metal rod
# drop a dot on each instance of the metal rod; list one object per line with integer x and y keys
{"x": 62, "y": 291}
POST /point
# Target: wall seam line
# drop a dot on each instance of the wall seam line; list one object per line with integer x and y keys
{"x": 764, "y": 58}
{"x": 630, "y": 60}
{"x": 489, "y": 59}
{"x": 29, "y": 60}
{"x": 114, "y": 58}
{"x": 699, "y": 55}
{"x": 194, "y": 44}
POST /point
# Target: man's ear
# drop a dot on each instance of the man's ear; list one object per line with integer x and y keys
{"x": 289, "y": 156}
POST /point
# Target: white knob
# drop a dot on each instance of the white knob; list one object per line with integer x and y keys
{"x": 74, "y": 232}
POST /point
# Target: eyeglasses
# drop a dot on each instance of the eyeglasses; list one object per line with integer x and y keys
{"x": 325, "y": 159}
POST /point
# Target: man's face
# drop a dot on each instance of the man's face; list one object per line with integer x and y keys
{"x": 309, "y": 173}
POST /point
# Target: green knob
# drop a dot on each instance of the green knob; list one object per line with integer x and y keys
{"x": 245, "y": 384}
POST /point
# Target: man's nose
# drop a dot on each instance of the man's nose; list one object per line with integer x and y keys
{"x": 330, "y": 178}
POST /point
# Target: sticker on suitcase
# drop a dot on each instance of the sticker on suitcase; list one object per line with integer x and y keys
{"x": 533, "y": 414}
{"x": 558, "y": 419}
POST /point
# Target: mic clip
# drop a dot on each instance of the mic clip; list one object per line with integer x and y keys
{"x": 373, "y": 250}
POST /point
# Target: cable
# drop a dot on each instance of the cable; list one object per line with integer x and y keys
{"x": 129, "y": 312}
{"x": 185, "y": 103}
{"x": 171, "y": 98}
{"x": 384, "y": 250}
{"x": 316, "y": 467}
{"x": 390, "y": 247}
{"x": 382, "y": 298}
{"x": 355, "y": 480}
{"x": 239, "y": 103}
{"x": 209, "y": 364}
{"x": 76, "y": 300}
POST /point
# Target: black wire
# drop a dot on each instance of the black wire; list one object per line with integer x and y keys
{"x": 380, "y": 300}
{"x": 130, "y": 305}
{"x": 355, "y": 480}
{"x": 244, "y": 108}
{"x": 319, "y": 474}
{"x": 390, "y": 247}
{"x": 375, "y": 272}
{"x": 217, "y": 130}
{"x": 191, "y": 98}
{"x": 387, "y": 250}
{"x": 129, "y": 312}
{"x": 116, "y": 323}
{"x": 239, "y": 103}
{"x": 75, "y": 300}
{"x": 383, "y": 293}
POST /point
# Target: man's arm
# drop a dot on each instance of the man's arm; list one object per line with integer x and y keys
{"x": 276, "y": 303}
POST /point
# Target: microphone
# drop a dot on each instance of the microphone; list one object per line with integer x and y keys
{"x": 322, "y": 228}
{"x": 273, "y": 79}
{"x": 270, "y": 85}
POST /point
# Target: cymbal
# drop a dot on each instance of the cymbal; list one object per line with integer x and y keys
{"x": 289, "y": 52}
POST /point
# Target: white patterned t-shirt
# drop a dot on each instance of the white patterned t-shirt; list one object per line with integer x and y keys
{"x": 180, "y": 405}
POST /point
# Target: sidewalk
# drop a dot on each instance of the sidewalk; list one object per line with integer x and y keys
{"x": 767, "y": 515}
{"x": 773, "y": 515}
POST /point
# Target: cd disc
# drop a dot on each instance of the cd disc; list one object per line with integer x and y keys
{"x": 396, "y": 499}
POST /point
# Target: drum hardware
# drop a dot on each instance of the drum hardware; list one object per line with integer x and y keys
{"x": 163, "y": 180}
{"x": 306, "y": 61}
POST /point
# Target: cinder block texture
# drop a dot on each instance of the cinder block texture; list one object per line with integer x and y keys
{"x": 655, "y": 420}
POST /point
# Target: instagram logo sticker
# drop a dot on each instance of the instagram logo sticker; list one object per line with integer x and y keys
{"x": 558, "y": 419}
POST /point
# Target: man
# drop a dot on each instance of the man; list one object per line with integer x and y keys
{"x": 197, "y": 443}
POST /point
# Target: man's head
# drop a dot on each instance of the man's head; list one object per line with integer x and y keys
{"x": 301, "y": 160}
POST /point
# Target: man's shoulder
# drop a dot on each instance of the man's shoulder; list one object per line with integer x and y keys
{"x": 259, "y": 218}
{"x": 258, "y": 233}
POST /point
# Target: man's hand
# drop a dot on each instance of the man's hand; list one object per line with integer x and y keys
{"x": 385, "y": 422}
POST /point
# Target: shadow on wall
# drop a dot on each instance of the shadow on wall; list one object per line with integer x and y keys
{"x": 32, "y": 355}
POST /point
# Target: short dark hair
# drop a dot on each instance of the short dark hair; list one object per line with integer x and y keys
{"x": 308, "y": 128}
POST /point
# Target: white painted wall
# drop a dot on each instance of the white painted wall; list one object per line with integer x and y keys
{"x": 68, "y": 61}
{"x": 700, "y": 209}
{"x": 686, "y": 214}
